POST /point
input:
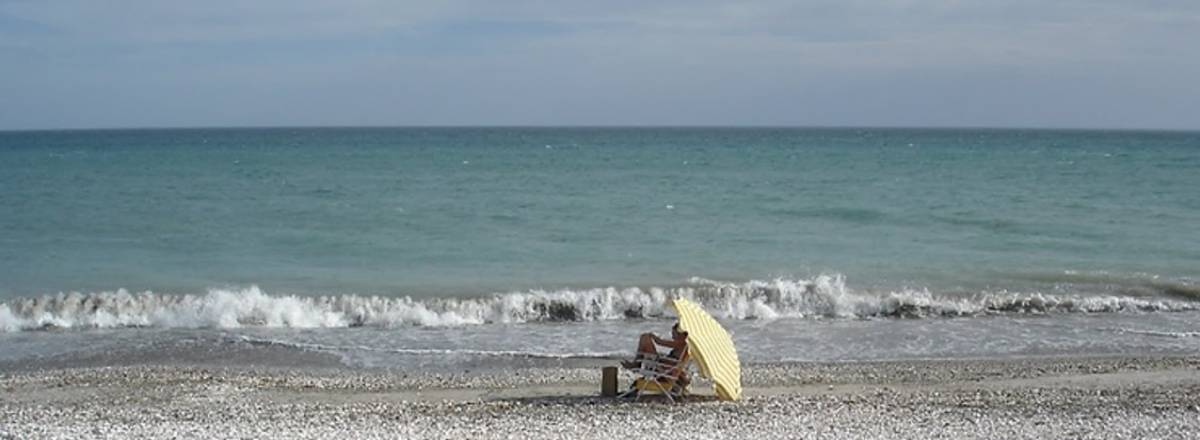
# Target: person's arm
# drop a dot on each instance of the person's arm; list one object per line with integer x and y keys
{"x": 667, "y": 342}
{"x": 660, "y": 341}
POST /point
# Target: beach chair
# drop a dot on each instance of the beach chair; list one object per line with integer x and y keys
{"x": 661, "y": 375}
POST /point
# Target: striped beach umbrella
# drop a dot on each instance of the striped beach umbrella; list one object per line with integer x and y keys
{"x": 712, "y": 349}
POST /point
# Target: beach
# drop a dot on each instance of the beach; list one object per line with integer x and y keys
{"x": 1045, "y": 397}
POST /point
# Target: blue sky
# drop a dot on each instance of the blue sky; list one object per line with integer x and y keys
{"x": 166, "y": 63}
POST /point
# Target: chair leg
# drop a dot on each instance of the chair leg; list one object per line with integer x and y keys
{"x": 628, "y": 392}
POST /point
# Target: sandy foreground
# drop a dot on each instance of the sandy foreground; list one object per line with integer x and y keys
{"x": 1122, "y": 397}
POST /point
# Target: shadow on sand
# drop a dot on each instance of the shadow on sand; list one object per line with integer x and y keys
{"x": 603, "y": 401}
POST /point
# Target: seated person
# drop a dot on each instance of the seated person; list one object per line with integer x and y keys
{"x": 648, "y": 346}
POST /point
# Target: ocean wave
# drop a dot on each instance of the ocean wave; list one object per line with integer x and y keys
{"x": 1156, "y": 333}
{"x": 426, "y": 351}
{"x": 825, "y": 296}
{"x": 1136, "y": 284}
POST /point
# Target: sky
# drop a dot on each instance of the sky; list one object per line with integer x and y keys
{"x": 927, "y": 63}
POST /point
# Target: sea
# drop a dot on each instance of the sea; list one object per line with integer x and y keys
{"x": 469, "y": 248}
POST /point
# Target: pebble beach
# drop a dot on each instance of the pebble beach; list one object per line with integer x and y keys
{"x": 1101, "y": 398}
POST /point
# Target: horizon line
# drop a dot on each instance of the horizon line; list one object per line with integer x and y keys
{"x": 604, "y": 126}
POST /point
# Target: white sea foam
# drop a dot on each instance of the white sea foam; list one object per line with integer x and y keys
{"x": 9, "y": 322}
{"x": 820, "y": 297}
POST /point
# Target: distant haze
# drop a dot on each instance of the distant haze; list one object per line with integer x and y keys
{"x": 1022, "y": 63}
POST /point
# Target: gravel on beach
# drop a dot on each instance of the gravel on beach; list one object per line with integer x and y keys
{"x": 1122, "y": 397}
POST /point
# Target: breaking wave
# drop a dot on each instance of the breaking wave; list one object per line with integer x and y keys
{"x": 821, "y": 297}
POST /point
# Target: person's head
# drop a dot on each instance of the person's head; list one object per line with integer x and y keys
{"x": 677, "y": 332}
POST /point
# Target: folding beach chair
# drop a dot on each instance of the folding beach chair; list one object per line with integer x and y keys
{"x": 661, "y": 375}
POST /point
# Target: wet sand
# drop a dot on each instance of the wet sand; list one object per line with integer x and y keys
{"x": 1103, "y": 397}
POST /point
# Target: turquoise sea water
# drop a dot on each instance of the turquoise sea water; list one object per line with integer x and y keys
{"x": 399, "y": 228}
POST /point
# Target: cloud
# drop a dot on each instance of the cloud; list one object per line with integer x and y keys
{"x": 826, "y": 62}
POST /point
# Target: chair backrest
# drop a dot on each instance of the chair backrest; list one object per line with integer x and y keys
{"x": 664, "y": 366}
{"x": 684, "y": 360}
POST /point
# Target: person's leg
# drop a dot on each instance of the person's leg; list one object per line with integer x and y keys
{"x": 645, "y": 346}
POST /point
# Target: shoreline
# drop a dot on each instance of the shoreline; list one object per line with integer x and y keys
{"x": 1133, "y": 396}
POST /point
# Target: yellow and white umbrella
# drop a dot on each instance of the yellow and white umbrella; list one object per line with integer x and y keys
{"x": 712, "y": 348}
